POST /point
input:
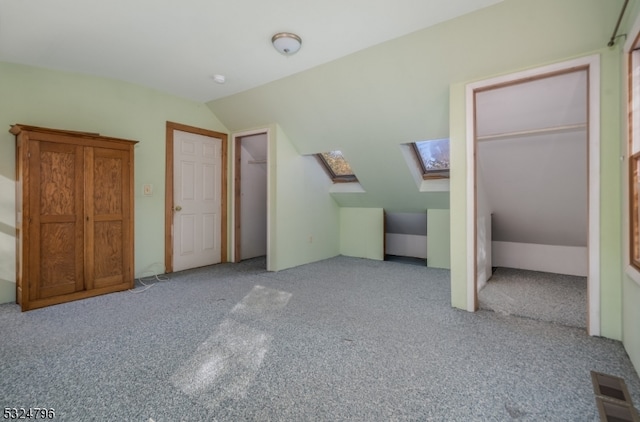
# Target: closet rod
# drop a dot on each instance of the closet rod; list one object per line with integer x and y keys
{"x": 615, "y": 31}
{"x": 555, "y": 129}
{"x": 257, "y": 161}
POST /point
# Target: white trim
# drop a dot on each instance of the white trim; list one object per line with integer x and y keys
{"x": 633, "y": 274}
{"x": 428, "y": 185}
{"x": 533, "y": 132}
{"x": 348, "y": 187}
{"x": 232, "y": 235}
{"x": 471, "y": 199}
{"x": 633, "y": 32}
{"x": 593, "y": 278}
{"x": 569, "y": 260}
{"x": 593, "y": 64}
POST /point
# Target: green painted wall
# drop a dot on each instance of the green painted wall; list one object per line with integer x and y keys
{"x": 62, "y": 100}
{"x": 362, "y": 232}
{"x": 438, "y": 239}
{"x": 368, "y": 103}
{"x": 610, "y": 201}
{"x": 631, "y": 320}
{"x": 458, "y": 195}
{"x": 630, "y": 289}
{"x": 611, "y": 188}
{"x": 305, "y": 220}
{"x": 610, "y": 195}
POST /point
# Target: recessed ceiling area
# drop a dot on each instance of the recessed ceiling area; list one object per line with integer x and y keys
{"x": 177, "y": 47}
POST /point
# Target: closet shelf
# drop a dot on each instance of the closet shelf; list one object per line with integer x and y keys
{"x": 531, "y": 132}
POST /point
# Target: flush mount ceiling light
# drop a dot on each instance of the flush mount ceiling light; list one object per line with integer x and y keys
{"x": 219, "y": 78}
{"x": 286, "y": 43}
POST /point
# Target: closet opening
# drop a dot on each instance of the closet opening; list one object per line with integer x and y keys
{"x": 250, "y": 198}
{"x": 535, "y": 185}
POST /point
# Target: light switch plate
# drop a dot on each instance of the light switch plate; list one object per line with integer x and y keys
{"x": 147, "y": 189}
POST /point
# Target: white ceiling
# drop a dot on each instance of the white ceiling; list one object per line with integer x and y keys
{"x": 176, "y": 46}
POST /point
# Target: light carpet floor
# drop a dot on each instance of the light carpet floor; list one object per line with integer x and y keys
{"x": 337, "y": 340}
{"x": 532, "y": 294}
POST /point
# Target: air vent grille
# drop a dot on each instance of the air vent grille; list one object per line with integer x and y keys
{"x": 613, "y": 399}
{"x": 616, "y": 412}
{"x": 610, "y": 387}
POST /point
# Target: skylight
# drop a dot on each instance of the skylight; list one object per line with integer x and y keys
{"x": 337, "y": 166}
{"x": 433, "y": 157}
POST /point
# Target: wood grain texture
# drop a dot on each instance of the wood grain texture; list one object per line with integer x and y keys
{"x": 57, "y": 183}
{"x": 108, "y": 251}
{"x": 55, "y": 221}
{"x": 75, "y": 217}
{"x": 109, "y": 218}
{"x": 58, "y": 266}
{"x": 107, "y": 188}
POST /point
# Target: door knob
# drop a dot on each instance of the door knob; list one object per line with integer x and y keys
{"x": 178, "y": 208}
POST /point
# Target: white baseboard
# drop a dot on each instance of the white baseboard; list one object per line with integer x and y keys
{"x": 570, "y": 260}
{"x": 406, "y": 245}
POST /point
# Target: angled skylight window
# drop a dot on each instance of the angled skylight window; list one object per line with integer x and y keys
{"x": 433, "y": 158}
{"x": 337, "y": 166}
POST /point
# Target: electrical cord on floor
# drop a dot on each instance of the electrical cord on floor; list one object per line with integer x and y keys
{"x": 154, "y": 276}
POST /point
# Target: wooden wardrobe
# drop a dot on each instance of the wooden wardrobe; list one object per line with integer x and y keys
{"x": 74, "y": 219}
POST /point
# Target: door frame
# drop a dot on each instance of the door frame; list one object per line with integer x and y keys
{"x": 592, "y": 65}
{"x": 236, "y": 141}
{"x": 168, "y": 202}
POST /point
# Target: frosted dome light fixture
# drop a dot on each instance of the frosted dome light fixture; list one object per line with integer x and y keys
{"x": 286, "y": 43}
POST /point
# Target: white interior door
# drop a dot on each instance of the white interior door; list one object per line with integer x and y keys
{"x": 197, "y": 200}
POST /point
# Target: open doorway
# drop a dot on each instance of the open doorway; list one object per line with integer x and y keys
{"x": 534, "y": 178}
{"x": 250, "y": 197}
{"x": 531, "y": 178}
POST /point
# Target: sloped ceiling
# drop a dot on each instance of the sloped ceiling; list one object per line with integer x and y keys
{"x": 406, "y": 223}
{"x": 177, "y": 46}
{"x": 256, "y": 146}
{"x": 369, "y": 103}
{"x": 372, "y": 74}
{"x": 535, "y": 182}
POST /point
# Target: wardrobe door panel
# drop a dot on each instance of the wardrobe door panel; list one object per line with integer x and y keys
{"x": 108, "y": 182}
{"x": 56, "y": 219}
{"x": 108, "y": 260}
{"x": 58, "y": 269}
{"x": 109, "y": 225}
